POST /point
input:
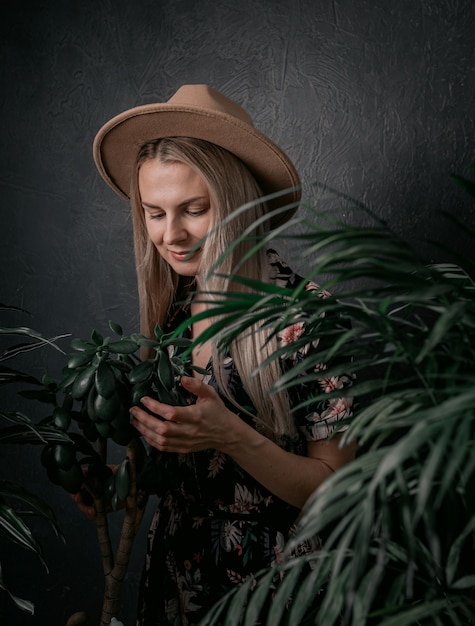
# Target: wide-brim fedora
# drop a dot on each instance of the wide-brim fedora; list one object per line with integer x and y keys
{"x": 201, "y": 112}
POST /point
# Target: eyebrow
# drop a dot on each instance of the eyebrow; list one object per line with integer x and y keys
{"x": 183, "y": 204}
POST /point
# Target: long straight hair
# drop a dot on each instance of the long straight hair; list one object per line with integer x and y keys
{"x": 230, "y": 185}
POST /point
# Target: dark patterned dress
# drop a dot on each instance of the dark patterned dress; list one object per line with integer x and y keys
{"x": 218, "y": 525}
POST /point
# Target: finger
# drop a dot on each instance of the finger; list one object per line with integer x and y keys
{"x": 150, "y": 426}
{"x": 143, "y": 421}
{"x": 169, "y": 435}
{"x": 159, "y": 438}
{"x": 88, "y": 510}
{"x": 158, "y": 409}
{"x": 197, "y": 387}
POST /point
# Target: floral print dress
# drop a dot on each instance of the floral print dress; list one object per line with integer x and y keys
{"x": 217, "y": 525}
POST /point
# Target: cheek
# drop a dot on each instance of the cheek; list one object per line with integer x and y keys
{"x": 153, "y": 232}
{"x": 205, "y": 229}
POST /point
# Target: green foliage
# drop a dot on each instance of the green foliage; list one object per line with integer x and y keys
{"x": 398, "y": 523}
{"x": 102, "y": 378}
{"x": 23, "y": 430}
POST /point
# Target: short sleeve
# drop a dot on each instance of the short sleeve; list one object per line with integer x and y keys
{"x": 323, "y": 417}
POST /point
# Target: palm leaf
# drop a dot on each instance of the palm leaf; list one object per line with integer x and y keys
{"x": 13, "y": 490}
{"x": 10, "y": 375}
{"x": 27, "y": 432}
{"x": 285, "y": 591}
{"x": 28, "y": 332}
{"x": 23, "y": 605}
{"x": 17, "y": 531}
{"x": 418, "y": 612}
{"x": 258, "y": 598}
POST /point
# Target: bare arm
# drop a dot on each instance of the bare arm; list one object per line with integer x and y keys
{"x": 291, "y": 477}
{"x": 209, "y": 424}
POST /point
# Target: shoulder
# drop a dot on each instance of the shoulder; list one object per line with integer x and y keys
{"x": 282, "y": 275}
{"x": 279, "y": 272}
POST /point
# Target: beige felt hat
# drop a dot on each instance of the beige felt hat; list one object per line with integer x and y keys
{"x": 200, "y": 112}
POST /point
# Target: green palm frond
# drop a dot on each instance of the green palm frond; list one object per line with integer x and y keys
{"x": 398, "y": 523}
{"x": 20, "y": 603}
{"x": 40, "y": 342}
{"x": 26, "y": 431}
{"x": 16, "y": 530}
{"x": 21, "y": 429}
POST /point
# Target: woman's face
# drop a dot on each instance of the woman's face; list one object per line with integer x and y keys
{"x": 177, "y": 208}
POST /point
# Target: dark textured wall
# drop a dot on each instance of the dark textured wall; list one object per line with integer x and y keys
{"x": 373, "y": 98}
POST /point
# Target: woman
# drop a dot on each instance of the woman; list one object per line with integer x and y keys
{"x": 246, "y": 463}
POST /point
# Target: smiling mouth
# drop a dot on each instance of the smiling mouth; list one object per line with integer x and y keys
{"x": 184, "y": 256}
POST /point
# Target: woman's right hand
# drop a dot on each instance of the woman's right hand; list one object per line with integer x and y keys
{"x": 85, "y": 504}
{"x": 92, "y": 488}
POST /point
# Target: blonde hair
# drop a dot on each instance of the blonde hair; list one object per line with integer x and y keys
{"x": 230, "y": 185}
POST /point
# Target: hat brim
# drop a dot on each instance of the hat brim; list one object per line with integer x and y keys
{"x": 117, "y": 143}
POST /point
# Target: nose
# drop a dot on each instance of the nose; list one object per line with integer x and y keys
{"x": 174, "y": 231}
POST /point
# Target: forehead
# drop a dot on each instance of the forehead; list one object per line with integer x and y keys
{"x": 157, "y": 177}
{"x": 158, "y": 168}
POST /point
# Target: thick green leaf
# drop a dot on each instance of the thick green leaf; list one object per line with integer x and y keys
{"x": 146, "y": 343}
{"x": 97, "y": 338}
{"x": 116, "y": 328}
{"x": 164, "y": 370}
{"x": 80, "y": 359}
{"x": 125, "y": 346}
{"x": 83, "y": 346}
{"x": 82, "y": 382}
{"x": 105, "y": 380}
{"x": 141, "y": 372}
{"x": 179, "y": 342}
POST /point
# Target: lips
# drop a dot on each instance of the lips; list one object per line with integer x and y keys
{"x": 184, "y": 256}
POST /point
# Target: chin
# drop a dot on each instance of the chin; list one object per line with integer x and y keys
{"x": 185, "y": 271}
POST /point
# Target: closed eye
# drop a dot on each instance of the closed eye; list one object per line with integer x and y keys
{"x": 196, "y": 212}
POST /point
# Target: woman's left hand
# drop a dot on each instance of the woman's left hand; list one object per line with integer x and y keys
{"x": 205, "y": 424}
{"x": 209, "y": 424}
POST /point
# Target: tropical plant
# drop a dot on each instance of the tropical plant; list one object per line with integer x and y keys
{"x": 397, "y": 523}
{"x": 21, "y": 429}
{"x": 89, "y": 405}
